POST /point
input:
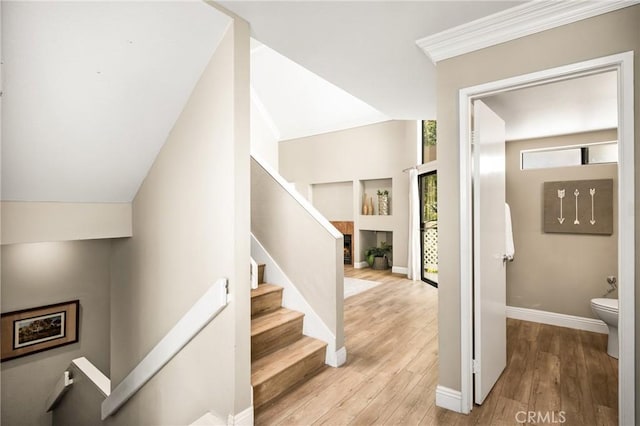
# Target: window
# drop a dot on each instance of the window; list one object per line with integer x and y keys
{"x": 597, "y": 153}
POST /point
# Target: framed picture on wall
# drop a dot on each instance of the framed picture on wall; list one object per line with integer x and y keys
{"x": 38, "y": 329}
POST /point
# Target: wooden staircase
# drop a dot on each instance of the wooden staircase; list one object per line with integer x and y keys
{"x": 281, "y": 356}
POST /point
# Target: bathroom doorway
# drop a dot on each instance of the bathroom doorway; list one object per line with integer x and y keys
{"x": 622, "y": 66}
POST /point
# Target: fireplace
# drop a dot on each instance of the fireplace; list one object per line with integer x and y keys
{"x": 348, "y": 250}
{"x": 346, "y": 228}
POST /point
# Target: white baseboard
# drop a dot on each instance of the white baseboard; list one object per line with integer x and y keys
{"x": 560, "y": 320}
{"x": 400, "y": 270}
{"x": 337, "y": 358}
{"x": 360, "y": 265}
{"x": 243, "y": 418}
{"x": 449, "y": 399}
{"x": 208, "y": 419}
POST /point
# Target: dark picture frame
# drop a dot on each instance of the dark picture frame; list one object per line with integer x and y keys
{"x": 28, "y": 331}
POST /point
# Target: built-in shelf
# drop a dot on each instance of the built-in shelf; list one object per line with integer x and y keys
{"x": 369, "y": 238}
{"x": 342, "y": 203}
{"x": 375, "y": 223}
{"x": 369, "y": 190}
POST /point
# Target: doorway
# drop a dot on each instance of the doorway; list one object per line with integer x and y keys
{"x": 622, "y": 64}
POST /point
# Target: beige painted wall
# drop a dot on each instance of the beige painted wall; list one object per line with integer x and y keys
{"x": 306, "y": 252}
{"x": 42, "y": 274}
{"x": 264, "y": 143}
{"x": 556, "y": 272}
{"x": 334, "y": 200}
{"x": 191, "y": 227}
{"x": 30, "y": 222}
{"x": 604, "y": 35}
{"x": 376, "y": 151}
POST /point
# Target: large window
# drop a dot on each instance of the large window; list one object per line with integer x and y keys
{"x": 429, "y": 140}
{"x": 429, "y": 226}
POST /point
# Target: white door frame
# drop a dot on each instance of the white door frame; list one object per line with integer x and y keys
{"x": 623, "y": 64}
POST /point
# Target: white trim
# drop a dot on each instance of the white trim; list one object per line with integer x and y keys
{"x": 626, "y": 240}
{"x": 243, "y": 418}
{"x": 399, "y": 270}
{"x": 560, "y": 320}
{"x": 208, "y": 419}
{"x": 449, "y": 399}
{"x": 623, "y": 64}
{"x": 431, "y": 166}
{"x": 336, "y": 358}
{"x": 312, "y": 325}
{"x": 312, "y": 211}
{"x": 96, "y": 376}
{"x": 254, "y": 274}
{"x": 360, "y": 265}
{"x": 523, "y": 20}
{"x": 201, "y": 313}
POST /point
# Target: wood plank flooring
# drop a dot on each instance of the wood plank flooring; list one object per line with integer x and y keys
{"x": 390, "y": 377}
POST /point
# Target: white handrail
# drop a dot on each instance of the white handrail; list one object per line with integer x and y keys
{"x": 98, "y": 378}
{"x": 299, "y": 198}
{"x": 84, "y": 366}
{"x": 200, "y": 314}
{"x": 61, "y": 387}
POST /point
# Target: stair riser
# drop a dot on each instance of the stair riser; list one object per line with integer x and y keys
{"x": 266, "y": 303}
{"x": 282, "y": 382}
{"x": 275, "y": 338}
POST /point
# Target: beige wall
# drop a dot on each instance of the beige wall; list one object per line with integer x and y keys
{"x": 30, "y": 222}
{"x": 556, "y": 272}
{"x": 191, "y": 227}
{"x": 264, "y": 144}
{"x": 596, "y": 37}
{"x": 376, "y": 151}
{"x": 81, "y": 404}
{"x": 42, "y": 274}
{"x": 334, "y": 200}
{"x": 306, "y": 252}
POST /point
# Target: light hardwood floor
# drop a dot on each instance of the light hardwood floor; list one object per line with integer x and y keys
{"x": 392, "y": 369}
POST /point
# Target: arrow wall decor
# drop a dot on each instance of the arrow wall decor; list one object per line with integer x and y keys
{"x": 594, "y": 217}
{"x": 561, "y": 196}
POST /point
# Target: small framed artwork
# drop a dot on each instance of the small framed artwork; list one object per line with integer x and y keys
{"x": 38, "y": 329}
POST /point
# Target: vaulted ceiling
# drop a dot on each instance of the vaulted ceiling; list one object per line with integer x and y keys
{"x": 91, "y": 89}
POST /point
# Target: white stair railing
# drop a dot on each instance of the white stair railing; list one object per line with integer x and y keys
{"x": 200, "y": 314}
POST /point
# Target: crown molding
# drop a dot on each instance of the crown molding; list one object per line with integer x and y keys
{"x": 529, "y": 18}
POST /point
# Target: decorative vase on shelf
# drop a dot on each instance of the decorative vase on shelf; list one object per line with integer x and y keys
{"x": 365, "y": 207}
{"x": 383, "y": 204}
{"x": 371, "y": 205}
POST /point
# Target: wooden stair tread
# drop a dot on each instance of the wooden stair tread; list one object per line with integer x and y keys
{"x": 262, "y": 323}
{"x": 270, "y": 365}
{"x": 265, "y": 289}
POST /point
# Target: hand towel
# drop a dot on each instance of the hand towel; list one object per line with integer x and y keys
{"x": 510, "y": 249}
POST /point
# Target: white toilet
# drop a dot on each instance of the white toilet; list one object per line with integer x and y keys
{"x": 607, "y": 311}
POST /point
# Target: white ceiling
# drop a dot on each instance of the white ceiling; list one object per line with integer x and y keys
{"x": 299, "y": 103}
{"x": 571, "y": 106}
{"x": 367, "y": 48}
{"x": 91, "y": 90}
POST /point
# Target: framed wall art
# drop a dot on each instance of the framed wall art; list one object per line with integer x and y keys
{"x": 38, "y": 329}
{"x": 579, "y": 207}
